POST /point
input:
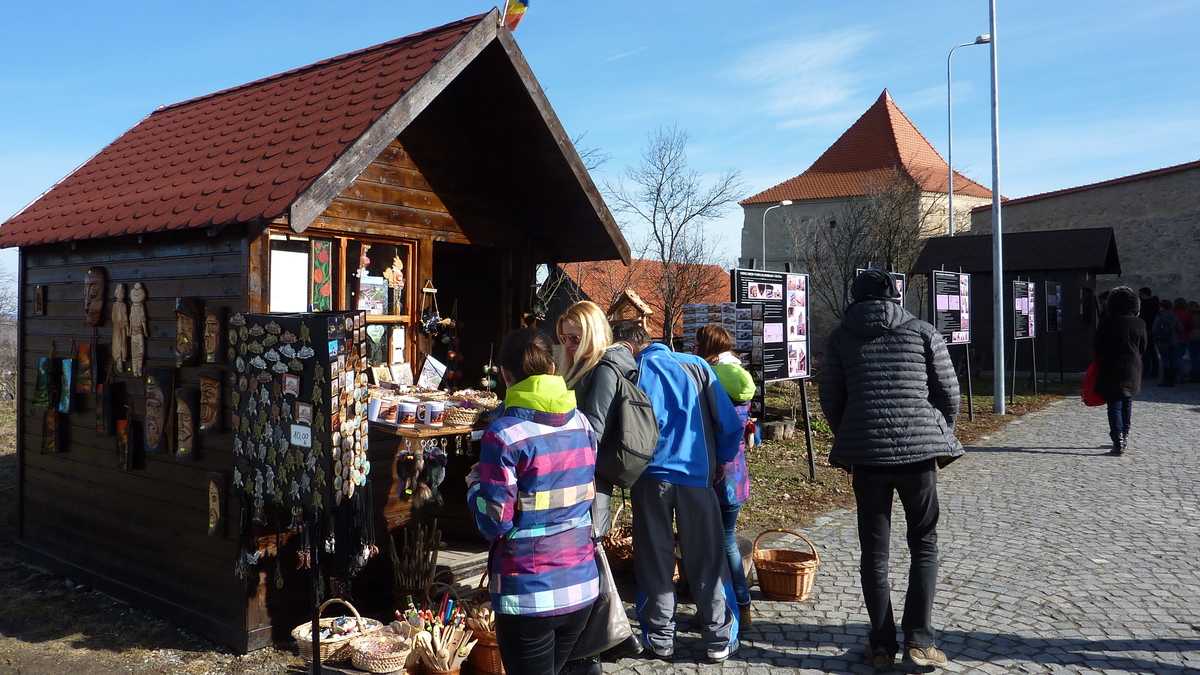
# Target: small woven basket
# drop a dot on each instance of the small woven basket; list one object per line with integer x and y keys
{"x": 380, "y": 653}
{"x": 485, "y": 656}
{"x": 462, "y": 417}
{"x": 333, "y": 649}
{"x": 784, "y": 574}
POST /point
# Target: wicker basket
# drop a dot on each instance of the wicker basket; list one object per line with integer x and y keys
{"x": 333, "y": 649}
{"x": 462, "y": 417}
{"x": 784, "y": 574}
{"x": 380, "y": 653}
{"x": 485, "y": 656}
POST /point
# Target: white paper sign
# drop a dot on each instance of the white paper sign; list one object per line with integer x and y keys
{"x": 301, "y": 436}
{"x": 431, "y": 373}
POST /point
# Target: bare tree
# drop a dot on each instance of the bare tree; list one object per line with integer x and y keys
{"x": 903, "y": 217}
{"x": 593, "y": 157}
{"x": 672, "y": 203}
{"x": 8, "y": 337}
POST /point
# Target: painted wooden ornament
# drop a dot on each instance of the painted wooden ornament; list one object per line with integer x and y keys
{"x": 216, "y": 504}
{"x": 214, "y": 334}
{"x": 93, "y": 295}
{"x": 159, "y": 389}
{"x": 138, "y": 330}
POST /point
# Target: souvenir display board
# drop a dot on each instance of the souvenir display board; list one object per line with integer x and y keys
{"x": 1054, "y": 307}
{"x": 900, "y": 279}
{"x": 779, "y": 301}
{"x": 1024, "y": 310}
{"x": 952, "y": 306}
{"x": 300, "y": 432}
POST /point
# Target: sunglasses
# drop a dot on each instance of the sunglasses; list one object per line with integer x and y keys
{"x": 573, "y": 339}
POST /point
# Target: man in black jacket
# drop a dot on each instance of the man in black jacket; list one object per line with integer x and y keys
{"x": 890, "y": 394}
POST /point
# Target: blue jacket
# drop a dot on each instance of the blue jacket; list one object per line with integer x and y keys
{"x": 698, "y": 427}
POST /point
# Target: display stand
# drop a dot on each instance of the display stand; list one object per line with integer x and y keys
{"x": 1024, "y": 328}
{"x": 949, "y": 303}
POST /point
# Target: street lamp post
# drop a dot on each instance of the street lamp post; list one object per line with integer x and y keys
{"x": 786, "y": 202}
{"x": 997, "y": 233}
{"x": 980, "y": 40}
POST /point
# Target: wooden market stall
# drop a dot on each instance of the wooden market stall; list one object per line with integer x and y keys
{"x": 354, "y": 184}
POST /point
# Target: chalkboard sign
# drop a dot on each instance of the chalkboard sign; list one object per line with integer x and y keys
{"x": 1054, "y": 307}
{"x": 1024, "y": 310}
{"x": 779, "y": 304}
{"x": 952, "y": 306}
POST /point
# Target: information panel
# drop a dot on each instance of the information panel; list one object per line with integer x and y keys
{"x": 896, "y": 277}
{"x": 1024, "y": 310}
{"x": 1054, "y": 306}
{"x": 952, "y": 306}
{"x": 779, "y": 306}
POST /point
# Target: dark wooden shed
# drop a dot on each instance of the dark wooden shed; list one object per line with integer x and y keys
{"x": 1072, "y": 258}
{"x": 432, "y": 160}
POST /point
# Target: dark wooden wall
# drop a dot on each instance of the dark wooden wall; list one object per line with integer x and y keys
{"x": 141, "y": 533}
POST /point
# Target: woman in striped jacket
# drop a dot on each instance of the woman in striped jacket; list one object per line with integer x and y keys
{"x": 531, "y": 496}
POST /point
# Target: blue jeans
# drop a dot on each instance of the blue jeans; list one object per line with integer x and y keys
{"x": 1120, "y": 414}
{"x": 737, "y": 572}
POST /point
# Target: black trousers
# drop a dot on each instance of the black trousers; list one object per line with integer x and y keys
{"x": 538, "y": 645}
{"x": 917, "y": 486}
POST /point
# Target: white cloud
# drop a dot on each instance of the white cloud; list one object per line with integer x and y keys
{"x": 625, "y": 54}
{"x": 803, "y": 78}
{"x": 935, "y": 96}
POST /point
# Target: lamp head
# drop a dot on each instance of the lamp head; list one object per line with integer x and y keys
{"x": 786, "y": 202}
{"x": 983, "y": 39}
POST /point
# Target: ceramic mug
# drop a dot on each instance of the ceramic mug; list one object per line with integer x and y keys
{"x": 431, "y": 413}
{"x": 406, "y": 414}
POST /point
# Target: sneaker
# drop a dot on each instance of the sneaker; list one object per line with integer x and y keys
{"x": 718, "y": 655}
{"x": 881, "y": 659}
{"x": 653, "y": 652}
{"x": 925, "y": 657}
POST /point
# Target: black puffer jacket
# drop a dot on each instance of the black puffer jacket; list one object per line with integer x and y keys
{"x": 888, "y": 389}
{"x": 1120, "y": 343}
{"x": 595, "y": 391}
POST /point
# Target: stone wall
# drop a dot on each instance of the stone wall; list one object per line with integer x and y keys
{"x": 1156, "y": 220}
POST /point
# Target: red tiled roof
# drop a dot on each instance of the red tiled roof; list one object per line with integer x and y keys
{"x": 1153, "y": 173}
{"x": 604, "y": 281}
{"x": 866, "y": 156}
{"x": 238, "y": 155}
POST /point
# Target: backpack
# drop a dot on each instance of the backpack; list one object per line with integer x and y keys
{"x": 630, "y": 434}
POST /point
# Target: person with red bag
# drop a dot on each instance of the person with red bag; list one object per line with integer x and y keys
{"x": 1120, "y": 342}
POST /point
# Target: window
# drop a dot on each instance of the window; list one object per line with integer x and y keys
{"x": 377, "y": 280}
{"x": 289, "y": 262}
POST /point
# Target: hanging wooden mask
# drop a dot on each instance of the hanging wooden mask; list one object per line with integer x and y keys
{"x": 67, "y": 371}
{"x": 216, "y": 504}
{"x": 186, "y": 404}
{"x": 188, "y": 316}
{"x": 159, "y": 388}
{"x": 210, "y": 403}
{"x": 39, "y": 301}
{"x": 138, "y": 329}
{"x": 214, "y": 334}
{"x": 93, "y": 296}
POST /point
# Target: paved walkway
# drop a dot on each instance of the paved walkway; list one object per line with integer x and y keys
{"x": 1056, "y": 557}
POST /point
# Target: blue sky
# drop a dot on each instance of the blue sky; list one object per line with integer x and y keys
{"x": 1088, "y": 90}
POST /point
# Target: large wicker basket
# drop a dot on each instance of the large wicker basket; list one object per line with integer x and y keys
{"x": 381, "y": 652}
{"x": 784, "y": 574}
{"x": 333, "y": 649}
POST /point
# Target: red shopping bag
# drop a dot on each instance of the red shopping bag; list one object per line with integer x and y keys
{"x": 1088, "y": 393}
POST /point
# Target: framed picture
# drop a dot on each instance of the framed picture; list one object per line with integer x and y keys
{"x": 291, "y": 385}
{"x": 304, "y": 412}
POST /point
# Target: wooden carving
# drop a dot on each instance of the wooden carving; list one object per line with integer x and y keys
{"x": 214, "y": 335}
{"x": 39, "y": 301}
{"x": 138, "y": 330}
{"x": 120, "y": 324}
{"x": 216, "y": 504}
{"x": 159, "y": 387}
{"x": 185, "y": 422}
{"x": 210, "y": 403}
{"x": 93, "y": 296}
{"x": 66, "y": 388}
{"x": 188, "y": 316}
{"x": 85, "y": 375}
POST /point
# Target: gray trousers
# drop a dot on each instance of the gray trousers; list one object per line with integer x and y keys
{"x": 697, "y": 515}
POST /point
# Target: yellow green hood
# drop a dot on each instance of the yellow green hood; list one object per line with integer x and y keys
{"x": 544, "y": 393}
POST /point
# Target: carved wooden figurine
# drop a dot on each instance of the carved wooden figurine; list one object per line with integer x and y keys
{"x": 210, "y": 403}
{"x": 138, "y": 331}
{"x": 120, "y": 324}
{"x": 159, "y": 388}
{"x": 188, "y": 316}
{"x": 185, "y": 422}
{"x": 93, "y": 296}
{"x": 214, "y": 334}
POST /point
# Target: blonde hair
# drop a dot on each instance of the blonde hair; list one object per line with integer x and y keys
{"x": 595, "y": 336}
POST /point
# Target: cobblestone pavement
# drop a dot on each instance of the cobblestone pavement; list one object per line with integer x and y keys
{"x": 1055, "y": 558}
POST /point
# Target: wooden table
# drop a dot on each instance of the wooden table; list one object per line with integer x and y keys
{"x": 419, "y": 432}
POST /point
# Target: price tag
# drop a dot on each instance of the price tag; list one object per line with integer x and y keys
{"x": 301, "y": 436}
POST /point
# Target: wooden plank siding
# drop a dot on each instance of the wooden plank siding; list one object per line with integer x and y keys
{"x": 141, "y": 534}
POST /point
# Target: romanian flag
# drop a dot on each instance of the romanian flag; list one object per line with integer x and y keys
{"x": 514, "y": 11}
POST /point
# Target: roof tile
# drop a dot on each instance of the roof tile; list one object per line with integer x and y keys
{"x": 865, "y": 156}
{"x": 237, "y": 155}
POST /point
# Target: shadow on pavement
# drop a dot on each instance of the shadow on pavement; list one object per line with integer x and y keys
{"x": 1097, "y": 451}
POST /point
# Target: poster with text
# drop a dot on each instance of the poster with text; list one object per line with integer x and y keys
{"x": 779, "y": 304}
{"x": 1024, "y": 310}
{"x": 952, "y": 306}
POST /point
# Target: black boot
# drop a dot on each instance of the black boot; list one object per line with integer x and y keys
{"x": 1124, "y": 441}
{"x": 1117, "y": 445}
